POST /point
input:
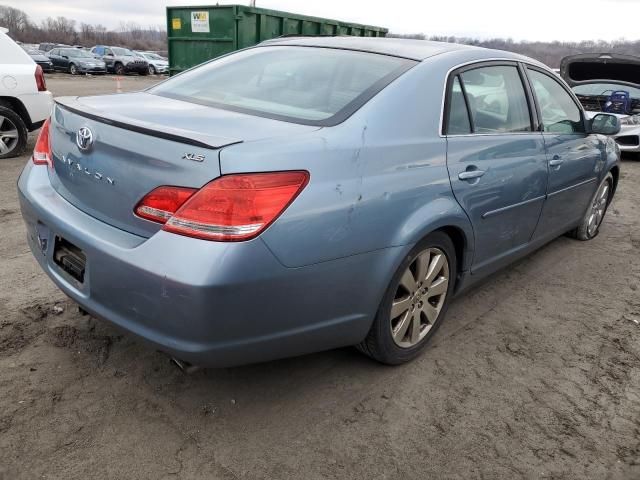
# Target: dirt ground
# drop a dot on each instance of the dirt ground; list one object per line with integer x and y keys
{"x": 535, "y": 374}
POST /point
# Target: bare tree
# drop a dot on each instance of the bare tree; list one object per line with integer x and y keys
{"x": 550, "y": 53}
{"x": 67, "y": 31}
{"x": 13, "y": 19}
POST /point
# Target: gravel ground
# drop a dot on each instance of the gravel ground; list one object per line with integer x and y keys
{"x": 534, "y": 374}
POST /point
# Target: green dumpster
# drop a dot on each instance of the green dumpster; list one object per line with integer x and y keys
{"x": 200, "y": 33}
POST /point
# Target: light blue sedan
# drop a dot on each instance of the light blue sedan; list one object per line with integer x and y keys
{"x": 311, "y": 193}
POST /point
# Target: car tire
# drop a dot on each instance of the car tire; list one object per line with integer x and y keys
{"x": 119, "y": 69}
{"x": 13, "y": 133}
{"x": 73, "y": 70}
{"x": 425, "y": 309}
{"x": 152, "y": 70}
{"x": 596, "y": 211}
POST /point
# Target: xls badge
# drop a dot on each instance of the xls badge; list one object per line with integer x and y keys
{"x": 194, "y": 157}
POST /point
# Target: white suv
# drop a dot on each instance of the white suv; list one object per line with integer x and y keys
{"x": 25, "y": 102}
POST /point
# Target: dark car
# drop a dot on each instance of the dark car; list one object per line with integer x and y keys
{"x": 121, "y": 60}
{"x": 41, "y": 59}
{"x": 74, "y": 61}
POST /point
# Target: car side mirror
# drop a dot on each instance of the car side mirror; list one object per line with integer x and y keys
{"x": 605, "y": 124}
{"x": 64, "y": 56}
{"x": 109, "y": 54}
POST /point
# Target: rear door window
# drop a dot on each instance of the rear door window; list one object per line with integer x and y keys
{"x": 496, "y": 99}
{"x": 560, "y": 113}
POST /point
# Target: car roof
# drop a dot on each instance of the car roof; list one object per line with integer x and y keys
{"x": 399, "y": 47}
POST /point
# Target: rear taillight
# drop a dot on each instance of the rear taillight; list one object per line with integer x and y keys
{"x": 41, "y": 84}
{"x": 42, "y": 152}
{"x": 163, "y": 202}
{"x": 230, "y": 208}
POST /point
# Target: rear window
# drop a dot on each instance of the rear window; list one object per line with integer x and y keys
{"x": 314, "y": 86}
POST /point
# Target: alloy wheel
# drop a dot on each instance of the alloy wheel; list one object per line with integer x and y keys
{"x": 9, "y": 137}
{"x": 419, "y": 297}
{"x": 598, "y": 208}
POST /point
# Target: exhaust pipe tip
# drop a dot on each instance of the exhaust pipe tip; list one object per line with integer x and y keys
{"x": 184, "y": 366}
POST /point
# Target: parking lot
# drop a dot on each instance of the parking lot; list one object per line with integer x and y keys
{"x": 534, "y": 374}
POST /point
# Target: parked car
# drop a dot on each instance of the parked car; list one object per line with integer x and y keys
{"x": 40, "y": 58}
{"x": 75, "y": 61}
{"x": 121, "y": 60}
{"x": 25, "y": 102}
{"x": 608, "y": 82}
{"x": 45, "y": 47}
{"x": 311, "y": 193}
{"x": 157, "y": 64}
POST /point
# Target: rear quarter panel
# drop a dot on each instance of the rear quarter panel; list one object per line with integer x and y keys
{"x": 378, "y": 180}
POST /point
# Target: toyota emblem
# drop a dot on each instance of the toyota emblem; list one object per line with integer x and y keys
{"x": 84, "y": 138}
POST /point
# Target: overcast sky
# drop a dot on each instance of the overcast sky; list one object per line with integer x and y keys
{"x": 518, "y": 19}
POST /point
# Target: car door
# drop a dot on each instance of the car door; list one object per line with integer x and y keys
{"x": 55, "y": 58}
{"x": 63, "y": 59}
{"x": 574, "y": 157}
{"x": 496, "y": 158}
{"x": 108, "y": 58}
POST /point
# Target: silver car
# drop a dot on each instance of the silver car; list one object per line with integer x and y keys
{"x": 608, "y": 82}
{"x": 157, "y": 64}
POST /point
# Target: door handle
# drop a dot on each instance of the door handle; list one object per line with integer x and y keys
{"x": 470, "y": 174}
{"x": 556, "y": 161}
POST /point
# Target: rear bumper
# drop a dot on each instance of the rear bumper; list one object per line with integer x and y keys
{"x": 210, "y": 303}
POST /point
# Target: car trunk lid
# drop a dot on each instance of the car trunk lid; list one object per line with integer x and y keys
{"x": 137, "y": 143}
{"x": 588, "y": 67}
{"x": 587, "y": 73}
